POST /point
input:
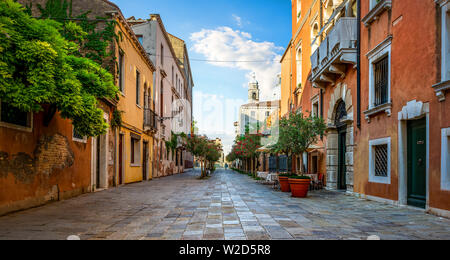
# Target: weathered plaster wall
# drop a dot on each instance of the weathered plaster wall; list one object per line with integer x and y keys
{"x": 414, "y": 70}
{"x": 41, "y": 166}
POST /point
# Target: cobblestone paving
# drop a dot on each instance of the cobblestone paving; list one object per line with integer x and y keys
{"x": 227, "y": 206}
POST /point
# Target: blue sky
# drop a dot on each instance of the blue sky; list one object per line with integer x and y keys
{"x": 223, "y": 30}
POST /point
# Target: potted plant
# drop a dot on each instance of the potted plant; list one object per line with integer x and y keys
{"x": 299, "y": 186}
{"x": 297, "y": 134}
{"x": 284, "y": 182}
{"x": 282, "y": 147}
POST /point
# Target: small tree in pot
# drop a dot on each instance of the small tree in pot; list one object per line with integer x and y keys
{"x": 302, "y": 132}
{"x": 283, "y": 146}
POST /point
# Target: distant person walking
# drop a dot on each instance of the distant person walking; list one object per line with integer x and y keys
{"x": 226, "y": 166}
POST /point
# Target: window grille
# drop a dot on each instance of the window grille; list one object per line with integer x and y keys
{"x": 381, "y": 81}
{"x": 381, "y": 160}
{"x": 77, "y": 135}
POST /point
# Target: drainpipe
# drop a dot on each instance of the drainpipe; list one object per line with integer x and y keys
{"x": 358, "y": 60}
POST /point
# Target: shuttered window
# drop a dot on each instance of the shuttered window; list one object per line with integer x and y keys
{"x": 138, "y": 87}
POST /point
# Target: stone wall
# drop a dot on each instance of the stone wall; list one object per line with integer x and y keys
{"x": 51, "y": 153}
{"x": 340, "y": 92}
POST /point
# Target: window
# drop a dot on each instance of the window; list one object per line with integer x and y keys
{"x": 445, "y": 42}
{"x": 380, "y": 74}
{"x": 444, "y": 86}
{"x": 299, "y": 9}
{"x": 246, "y": 123}
{"x": 314, "y": 164}
{"x": 13, "y": 117}
{"x": 299, "y": 67}
{"x": 140, "y": 39}
{"x": 381, "y": 81}
{"x": 138, "y": 87}
{"x": 376, "y": 9}
{"x": 77, "y": 137}
{"x": 121, "y": 71}
{"x": 445, "y": 160}
{"x": 380, "y": 161}
{"x": 315, "y": 107}
{"x": 329, "y": 9}
{"x": 314, "y": 37}
{"x": 381, "y": 165}
{"x": 161, "y": 100}
{"x": 135, "y": 150}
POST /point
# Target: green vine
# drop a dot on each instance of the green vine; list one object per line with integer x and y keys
{"x": 172, "y": 145}
{"x": 42, "y": 70}
{"x": 116, "y": 121}
{"x": 97, "y": 41}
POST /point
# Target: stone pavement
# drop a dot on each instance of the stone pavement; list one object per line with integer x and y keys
{"x": 226, "y": 206}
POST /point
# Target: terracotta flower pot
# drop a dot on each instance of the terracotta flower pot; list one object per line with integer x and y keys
{"x": 284, "y": 183}
{"x": 299, "y": 187}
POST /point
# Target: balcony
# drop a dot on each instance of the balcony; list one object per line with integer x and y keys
{"x": 336, "y": 50}
{"x": 150, "y": 122}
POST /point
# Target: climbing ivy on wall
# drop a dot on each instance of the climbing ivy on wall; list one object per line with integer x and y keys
{"x": 116, "y": 121}
{"x": 40, "y": 68}
{"x": 99, "y": 31}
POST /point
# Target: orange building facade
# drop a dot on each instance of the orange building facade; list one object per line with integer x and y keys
{"x": 43, "y": 160}
{"x": 379, "y": 77}
{"x": 407, "y": 117}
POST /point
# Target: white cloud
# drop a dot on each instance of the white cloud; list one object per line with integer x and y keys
{"x": 238, "y": 20}
{"x": 215, "y": 116}
{"x": 226, "y": 44}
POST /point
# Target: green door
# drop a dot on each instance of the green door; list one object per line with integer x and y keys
{"x": 342, "y": 168}
{"x": 417, "y": 163}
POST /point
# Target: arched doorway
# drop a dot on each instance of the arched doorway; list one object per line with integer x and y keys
{"x": 341, "y": 126}
{"x": 340, "y": 143}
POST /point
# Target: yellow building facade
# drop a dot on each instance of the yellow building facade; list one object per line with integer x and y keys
{"x": 136, "y": 106}
{"x": 286, "y": 81}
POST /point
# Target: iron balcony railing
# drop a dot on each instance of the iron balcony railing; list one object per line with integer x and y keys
{"x": 150, "y": 119}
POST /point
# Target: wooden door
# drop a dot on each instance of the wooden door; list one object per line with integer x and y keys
{"x": 145, "y": 162}
{"x": 417, "y": 163}
{"x": 342, "y": 168}
{"x": 120, "y": 159}
{"x": 97, "y": 163}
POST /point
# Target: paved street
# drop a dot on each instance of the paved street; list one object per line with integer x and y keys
{"x": 226, "y": 206}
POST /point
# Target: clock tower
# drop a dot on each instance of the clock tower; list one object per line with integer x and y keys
{"x": 253, "y": 91}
